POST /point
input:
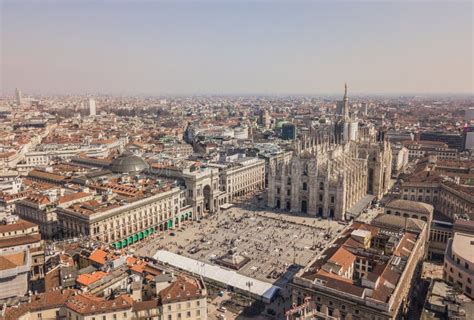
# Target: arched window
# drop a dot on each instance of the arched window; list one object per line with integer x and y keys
{"x": 389, "y": 211}
{"x": 321, "y": 186}
{"x": 305, "y": 171}
{"x": 305, "y": 186}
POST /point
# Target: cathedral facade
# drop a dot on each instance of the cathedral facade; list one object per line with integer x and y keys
{"x": 325, "y": 185}
{"x": 330, "y": 169}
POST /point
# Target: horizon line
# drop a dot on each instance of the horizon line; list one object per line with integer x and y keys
{"x": 223, "y": 94}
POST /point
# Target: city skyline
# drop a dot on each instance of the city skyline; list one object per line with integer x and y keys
{"x": 164, "y": 48}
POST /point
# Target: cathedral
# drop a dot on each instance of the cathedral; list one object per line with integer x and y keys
{"x": 331, "y": 168}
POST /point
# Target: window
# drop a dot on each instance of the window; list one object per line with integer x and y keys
{"x": 179, "y": 315}
{"x": 288, "y": 192}
{"x": 332, "y": 199}
{"x": 198, "y": 312}
{"x": 466, "y": 266}
{"x": 188, "y": 314}
{"x": 305, "y": 186}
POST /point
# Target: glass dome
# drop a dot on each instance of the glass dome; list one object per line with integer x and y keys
{"x": 128, "y": 163}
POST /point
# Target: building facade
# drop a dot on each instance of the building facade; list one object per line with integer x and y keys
{"x": 368, "y": 273}
{"x": 240, "y": 177}
{"x": 201, "y": 183}
{"x": 458, "y": 267}
{"x": 123, "y": 223}
{"x": 326, "y": 184}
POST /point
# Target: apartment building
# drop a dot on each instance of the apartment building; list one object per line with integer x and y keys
{"x": 458, "y": 267}
{"x": 367, "y": 273}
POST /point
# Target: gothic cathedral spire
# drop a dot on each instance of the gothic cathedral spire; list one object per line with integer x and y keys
{"x": 346, "y": 103}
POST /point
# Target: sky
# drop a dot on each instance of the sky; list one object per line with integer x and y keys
{"x": 236, "y": 47}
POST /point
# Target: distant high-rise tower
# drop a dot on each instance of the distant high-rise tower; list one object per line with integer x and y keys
{"x": 92, "y": 111}
{"x": 265, "y": 119}
{"x": 18, "y": 96}
{"x": 288, "y": 131}
{"x": 365, "y": 108}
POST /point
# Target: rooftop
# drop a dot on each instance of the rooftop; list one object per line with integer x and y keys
{"x": 128, "y": 163}
{"x": 385, "y": 251}
{"x": 17, "y": 226}
{"x": 408, "y": 205}
{"x": 88, "y": 304}
{"x": 90, "y": 278}
{"x": 463, "y": 245}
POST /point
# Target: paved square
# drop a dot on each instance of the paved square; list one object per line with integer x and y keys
{"x": 272, "y": 241}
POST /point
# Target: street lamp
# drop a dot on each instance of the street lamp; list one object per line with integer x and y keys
{"x": 249, "y": 284}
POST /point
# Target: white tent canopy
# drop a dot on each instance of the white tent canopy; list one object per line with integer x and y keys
{"x": 226, "y": 277}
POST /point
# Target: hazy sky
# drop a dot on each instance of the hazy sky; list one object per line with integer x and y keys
{"x": 232, "y": 47}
